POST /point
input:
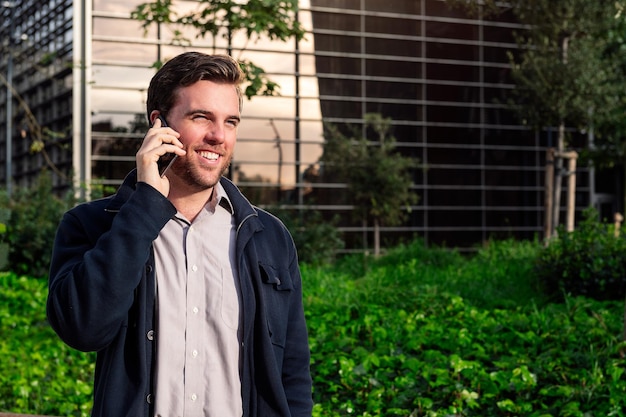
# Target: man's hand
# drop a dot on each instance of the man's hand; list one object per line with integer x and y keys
{"x": 157, "y": 142}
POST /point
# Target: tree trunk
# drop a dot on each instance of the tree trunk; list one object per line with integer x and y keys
{"x": 559, "y": 178}
{"x": 548, "y": 230}
{"x": 376, "y": 238}
{"x": 559, "y": 150}
{"x": 365, "y": 239}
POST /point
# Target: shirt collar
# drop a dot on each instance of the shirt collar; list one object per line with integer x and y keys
{"x": 224, "y": 201}
{"x": 218, "y": 197}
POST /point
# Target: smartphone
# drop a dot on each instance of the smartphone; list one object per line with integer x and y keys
{"x": 166, "y": 161}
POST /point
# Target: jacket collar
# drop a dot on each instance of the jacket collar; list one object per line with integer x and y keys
{"x": 243, "y": 209}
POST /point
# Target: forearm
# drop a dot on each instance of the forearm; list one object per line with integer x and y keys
{"x": 93, "y": 278}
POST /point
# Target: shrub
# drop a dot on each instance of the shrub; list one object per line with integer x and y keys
{"x": 398, "y": 339}
{"x": 28, "y": 223}
{"x": 316, "y": 239}
{"x": 34, "y": 214}
{"x": 402, "y": 336}
{"x": 501, "y": 274}
{"x": 39, "y": 374}
{"x": 589, "y": 261}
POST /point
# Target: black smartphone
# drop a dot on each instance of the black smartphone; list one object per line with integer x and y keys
{"x": 166, "y": 161}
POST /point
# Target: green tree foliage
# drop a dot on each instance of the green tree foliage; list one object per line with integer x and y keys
{"x": 565, "y": 69}
{"x": 609, "y": 150}
{"x": 566, "y": 73}
{"x": 254, "y": 19}
{"x": 378, "y": 177}
{"x": 569, "y": 70}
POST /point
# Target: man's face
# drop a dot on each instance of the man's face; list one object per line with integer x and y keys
{"x": 206, "y": 114}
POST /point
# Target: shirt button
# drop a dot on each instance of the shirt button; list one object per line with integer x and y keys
{"x": 194, "y": 353}
{"x": 194, "y": 268}
{"x": 194, "y": 397}
{"x": 149, "y": 398}
{"x": 150, "y": 335}
{"x": 195, "y": 310}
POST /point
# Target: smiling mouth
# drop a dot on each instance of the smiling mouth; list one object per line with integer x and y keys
{"x": 211, "y": 156}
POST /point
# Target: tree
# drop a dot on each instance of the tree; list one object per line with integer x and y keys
{"x": 572, "y": 70}
{"x": 275, "y": 19}
{"x": 566, "y": 70}
{"x": 609, "y": 147}
{"x": 377, "y": 176}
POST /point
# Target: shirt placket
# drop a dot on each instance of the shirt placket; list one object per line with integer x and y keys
{"x": 194, "y": 391}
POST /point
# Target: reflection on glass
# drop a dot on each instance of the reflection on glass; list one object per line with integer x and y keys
{"x": 137, "y": 53}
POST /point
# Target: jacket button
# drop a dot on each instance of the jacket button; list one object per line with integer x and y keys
{"x": 149, "y": 398}
{"x": 150, "y": 335}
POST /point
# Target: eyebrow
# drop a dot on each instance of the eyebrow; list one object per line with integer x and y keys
{"x": 208, "y": 112}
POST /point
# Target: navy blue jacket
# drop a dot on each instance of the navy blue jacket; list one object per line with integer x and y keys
{"x": 102, "y": 298}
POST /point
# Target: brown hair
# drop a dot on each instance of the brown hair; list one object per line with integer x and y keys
{"x": 186, "y": 69}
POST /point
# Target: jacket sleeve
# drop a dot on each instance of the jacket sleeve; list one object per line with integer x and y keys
{"x": 296, "y": 363}
{"x": 95, "y": 268}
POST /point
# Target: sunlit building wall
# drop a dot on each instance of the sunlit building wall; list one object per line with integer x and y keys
{"x": 441, "y": 76}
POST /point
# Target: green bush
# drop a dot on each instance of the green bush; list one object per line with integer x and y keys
{"x": 589, "y": 261}
{"x": 413, "y": 334}
{"x": 500, "y": 274}
{"x": 38, "y": 373}
{"x": 34, "y": 214}
{"x": 399, "y": 339}
{"x": 28, "y": 223}
{"x": 316, "y": 239}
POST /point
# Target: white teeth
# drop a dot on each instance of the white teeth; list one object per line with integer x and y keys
{"x": 209, "y": 155}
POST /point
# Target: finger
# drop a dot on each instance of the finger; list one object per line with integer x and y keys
{"x": 155, "y": 138}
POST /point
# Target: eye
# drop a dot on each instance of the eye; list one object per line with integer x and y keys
{"x": 233, "y": 122}
{"x": 199, "y": 116}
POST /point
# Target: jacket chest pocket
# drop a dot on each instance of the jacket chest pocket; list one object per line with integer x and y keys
{"x": 277, "y": 289}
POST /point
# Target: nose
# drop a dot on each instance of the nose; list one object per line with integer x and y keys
{"x": 216, "y": 133}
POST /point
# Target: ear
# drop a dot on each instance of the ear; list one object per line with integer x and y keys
{"x": 153, "y": 116}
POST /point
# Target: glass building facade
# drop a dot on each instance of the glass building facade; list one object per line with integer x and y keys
{"x": 440, "y": 76}
{"x": 37, "y": 61}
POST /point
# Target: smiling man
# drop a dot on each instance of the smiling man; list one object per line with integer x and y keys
{"x": 191, "y": 296}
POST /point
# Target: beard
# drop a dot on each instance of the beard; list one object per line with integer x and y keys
{"x": 196, "y": 177}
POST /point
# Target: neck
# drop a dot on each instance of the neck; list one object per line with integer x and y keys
{"x": 190, "y": 204}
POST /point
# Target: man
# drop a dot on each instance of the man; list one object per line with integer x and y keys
{"x": 190, "y": 295}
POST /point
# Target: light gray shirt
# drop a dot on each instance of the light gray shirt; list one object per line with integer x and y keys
{"x": 198, "y": 309}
